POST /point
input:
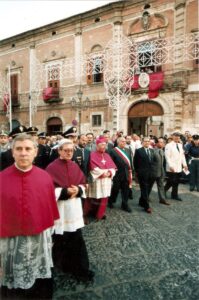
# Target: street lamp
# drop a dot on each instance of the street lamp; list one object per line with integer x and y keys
{"x": 80, "y": 105}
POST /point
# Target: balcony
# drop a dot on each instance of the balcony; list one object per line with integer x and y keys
{"x": 151, "y": 82}
{"x": 51, "y": 94}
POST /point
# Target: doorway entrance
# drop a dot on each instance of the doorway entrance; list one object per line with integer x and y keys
{"x": 54, "y": 126}
{"x": 145, "y": 118}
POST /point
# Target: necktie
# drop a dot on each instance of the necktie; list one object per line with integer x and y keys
{"x": 148, "y": 153}
{"x": 177, "y": 147}
{"x": 82, "y": 149}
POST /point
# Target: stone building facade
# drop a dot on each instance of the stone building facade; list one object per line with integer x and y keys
{"x": 47, "y": 66}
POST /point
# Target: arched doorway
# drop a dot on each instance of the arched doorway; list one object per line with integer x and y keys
{"x": 54, "y": 126}
{"x": 145, "y": 118}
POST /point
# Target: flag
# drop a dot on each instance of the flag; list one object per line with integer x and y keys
{"x": 6, "y": 102}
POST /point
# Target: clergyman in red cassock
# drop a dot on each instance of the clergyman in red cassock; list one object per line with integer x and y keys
{"x": 28, "y": 209}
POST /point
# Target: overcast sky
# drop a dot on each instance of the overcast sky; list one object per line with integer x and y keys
{"x": 20, "y": 16}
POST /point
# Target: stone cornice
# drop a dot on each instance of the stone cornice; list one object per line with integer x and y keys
{"x": 179, "y": 4}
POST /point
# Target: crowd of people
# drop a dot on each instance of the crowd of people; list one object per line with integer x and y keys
{"x": 52, "y": 186}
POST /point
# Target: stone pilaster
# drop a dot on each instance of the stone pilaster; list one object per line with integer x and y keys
{"x": 179, "y": 31}
{"x": 78, "y": 54}
{"x": 178, "y": 111}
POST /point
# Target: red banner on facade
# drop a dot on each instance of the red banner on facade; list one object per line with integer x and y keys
{"x": 155, "y": 84}
{"x": 156, "y": 81}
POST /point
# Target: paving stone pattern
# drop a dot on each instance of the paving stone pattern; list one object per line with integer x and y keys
{"x": 139, "y": 256}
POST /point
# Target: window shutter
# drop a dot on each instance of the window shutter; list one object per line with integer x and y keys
{"x": 101, "y": 77}
{"x": 54, "y": 83}
{"x": 89, "y": 73}
{"x": 14, "y": 88}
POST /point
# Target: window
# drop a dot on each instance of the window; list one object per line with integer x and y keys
{"x": 97, "y": 19}
{"x": 54, "y": 76}
{"x": 196, "y": 52}
{"x": 96, "y": 120}
{"x": 51, "y": 92}
{"x": 94, "y": 70}
{"x": 53, "y": 83}
{"x": 97, "y": 76}
{"x": 149, "y": 56}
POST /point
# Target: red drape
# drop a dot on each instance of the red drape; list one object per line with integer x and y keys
{"x": 50, "y": 93}
{"x": 135, "y": 84}
{"x": 156, "y": 81}
{"x": 5, "y": 102}
{"x": 155, "y": 84}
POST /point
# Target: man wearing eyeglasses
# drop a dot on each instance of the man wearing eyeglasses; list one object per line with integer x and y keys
{"x": 69, "y": 249}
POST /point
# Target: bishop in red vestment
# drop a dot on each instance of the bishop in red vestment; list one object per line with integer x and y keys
{"x": 102, "y": 170}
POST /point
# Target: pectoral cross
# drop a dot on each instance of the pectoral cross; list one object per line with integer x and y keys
{"x": 103, "y": 160}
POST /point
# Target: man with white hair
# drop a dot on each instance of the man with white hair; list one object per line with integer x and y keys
{"x": 69, "y": 249}
{"x": 123, "y": 177}
{"x": 175, "y": 163}
{"x": 102, "y": 171}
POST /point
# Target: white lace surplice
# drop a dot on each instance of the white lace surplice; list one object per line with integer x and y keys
{"x": 100, "y": 187}
{"x": 71, "y": 214}
{"x": 25, "y": 258}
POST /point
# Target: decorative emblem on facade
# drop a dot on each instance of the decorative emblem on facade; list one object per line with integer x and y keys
{"x": 53, "y": 53}
{"x": 145, "y": 20}
{"x": 143, "y": 80}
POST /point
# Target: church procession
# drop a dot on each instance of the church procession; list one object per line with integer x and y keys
{"x": 125, "y": 146}
{"x": 84, "y": 174}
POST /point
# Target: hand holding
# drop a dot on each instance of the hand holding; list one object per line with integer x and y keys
{"x": 73, "y": 191}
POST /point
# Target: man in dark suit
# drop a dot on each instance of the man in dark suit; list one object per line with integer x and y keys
{"x": 109, "y": 144}
{"x": 81, "y": 154}
{"x": 43, "y": 153}
{"x": 123, "y": 177}
{"x": 158, "y": 170}
{"x": 6, "y": 157}
{"x": 142, "y": 163}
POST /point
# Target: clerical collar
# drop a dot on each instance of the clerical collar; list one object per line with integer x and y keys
{"x": 22, "y": 169}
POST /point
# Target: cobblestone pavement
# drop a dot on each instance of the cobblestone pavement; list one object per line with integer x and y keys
{"x": 139, "y": 256}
